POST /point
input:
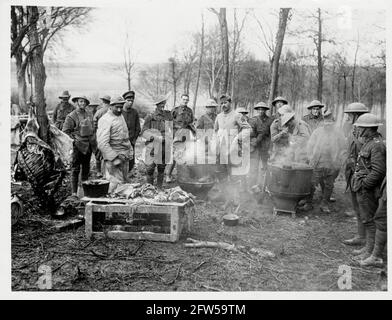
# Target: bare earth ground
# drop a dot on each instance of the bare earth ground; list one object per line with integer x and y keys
{"x": 308, "y": 253}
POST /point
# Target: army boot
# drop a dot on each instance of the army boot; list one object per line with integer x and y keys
{"x": 150, "y": 179}
{"x": 367, "y": 250}
{"x": 359, "y": 239}
{"x": 160, "y": 177}
{"x": 375, "y": 260}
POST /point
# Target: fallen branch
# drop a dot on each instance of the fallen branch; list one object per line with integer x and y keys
{"x": 210, "y": 244}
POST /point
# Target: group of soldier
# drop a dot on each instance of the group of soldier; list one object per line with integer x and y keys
{"x": 110, "y": 132}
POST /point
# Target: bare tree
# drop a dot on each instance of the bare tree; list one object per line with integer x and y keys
{"x": 38, "y": 72}
{"x": 128, "y": 61}
{"x": 235, "y": 49}
{"x": 212, "y": 65}
{"x": 201, "y": 53}
{"x": 283, "y": 17}
{"x": 354, "y": 69}
{"x": 175, "y": 76}
{"x": 224, "y": 35}
{"x": 50, "y": 24}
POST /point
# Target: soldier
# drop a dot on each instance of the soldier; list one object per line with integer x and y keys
{"x": 261, "y": 134}
{"x": 380, "y": 219}
{"x": 79, "y": 126}
{"x": 92, "y": 108}
{"x": 132, "y": 119}
{"x": 62, "y": 110}
{"x": 277, "y": 103}
{"x": 153, "y": 124}
{"x": 354, "y": 110}
{"x": 244, "y": 113}
{"x": 113, "y": 142}
{"x": 102, "y": 109}
{"x": 326, "y": 150}
{"x": 276, "y": 126}
{"x": 207, "y": 120}
{"x": 228, "y": 122}
{"x": 370, "y": 171}
{"x": 182, "y": 119}
{"x": 285, "y": 129}
{"x": 314, "y": 118}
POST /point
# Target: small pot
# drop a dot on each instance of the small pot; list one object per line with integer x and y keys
{"x": 230, "y": 219}
{"x": 95, "y": 188}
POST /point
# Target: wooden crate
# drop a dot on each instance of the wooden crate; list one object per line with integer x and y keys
{"x": 171, "y": 219}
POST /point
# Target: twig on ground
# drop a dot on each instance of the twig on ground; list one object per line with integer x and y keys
{"x": 199, "y": 266}
{"x": 177, "y": 275}
{"x": 58, "y": 268}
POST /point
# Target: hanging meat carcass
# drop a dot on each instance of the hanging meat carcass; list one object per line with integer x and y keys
{"x": 36, "y": 163}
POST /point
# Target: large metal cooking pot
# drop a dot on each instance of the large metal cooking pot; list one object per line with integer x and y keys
{"x": 288, "y": 184}
{"x": 293, "y": 180}
{"x": 197, "y": 179}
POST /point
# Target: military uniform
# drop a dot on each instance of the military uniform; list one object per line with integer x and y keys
{"x": 60, "y": 113}
{"x": 132, "y": 120}
{"x": 156, "y": 121}
{"x": 206, "y": 121}
{"x": 182, "y": 118}
{"x": 260, "y": 141}
{"x": 370, "y": 170}
{"x": 281, "y": 139}
{"x": 79, "y": 126}
{"x": 313, "y": 121}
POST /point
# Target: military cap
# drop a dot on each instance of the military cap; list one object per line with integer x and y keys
{"x": 225, "y": 97}
{"x": 211, "y": 103}
{"x": 367, "y": 120}
{"x": 130, "y": 94}
{"x": 105, "y": 98}
{"x": 118, "y": 100}
{"x": 242, "y": 110}
{"x": 261, "y": 105}
{"x": 160, "y": 99}
{"x": 286, "y": 117}
{"x": 315, "y": 103}
{"x": 279, "y": 99}
{"x": 356, "y": 107}
{"x": 65, "y": 94}
{"x": 74, "y": 99}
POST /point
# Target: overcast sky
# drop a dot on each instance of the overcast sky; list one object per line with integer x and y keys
{"x": 156, "y": 30}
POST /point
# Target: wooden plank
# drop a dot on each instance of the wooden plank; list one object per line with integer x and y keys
{"x": 131, "y": 201}
{"x": 142, "y": 235}
{"x": 175, "y": 227}
{"x": 88, "y": 218}
{"x": 138, "y": 209}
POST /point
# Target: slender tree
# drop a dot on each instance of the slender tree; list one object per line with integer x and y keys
{"x": 200, "y": 63}
{"x": 283, "y": 18}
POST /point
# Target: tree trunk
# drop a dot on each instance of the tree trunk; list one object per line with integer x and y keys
{"x": 319, "y": 58}
{"x": 345, "y": 90}
{"x": 21, "y": 79}
{"x": 200, "y": 63}
{"x": 129, "y": 81}
{"x": 225, "y": 50}
{"x": 354, "y": 69}
{"x": 38, "y": 74}
{"x": 283, "y": 17}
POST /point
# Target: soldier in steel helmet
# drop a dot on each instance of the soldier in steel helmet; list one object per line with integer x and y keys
{"x": 353, "y": 111}
{"x": 315, "y": 117}
{"x": 260, "y": 140}
{"x": 370, "y": 171}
